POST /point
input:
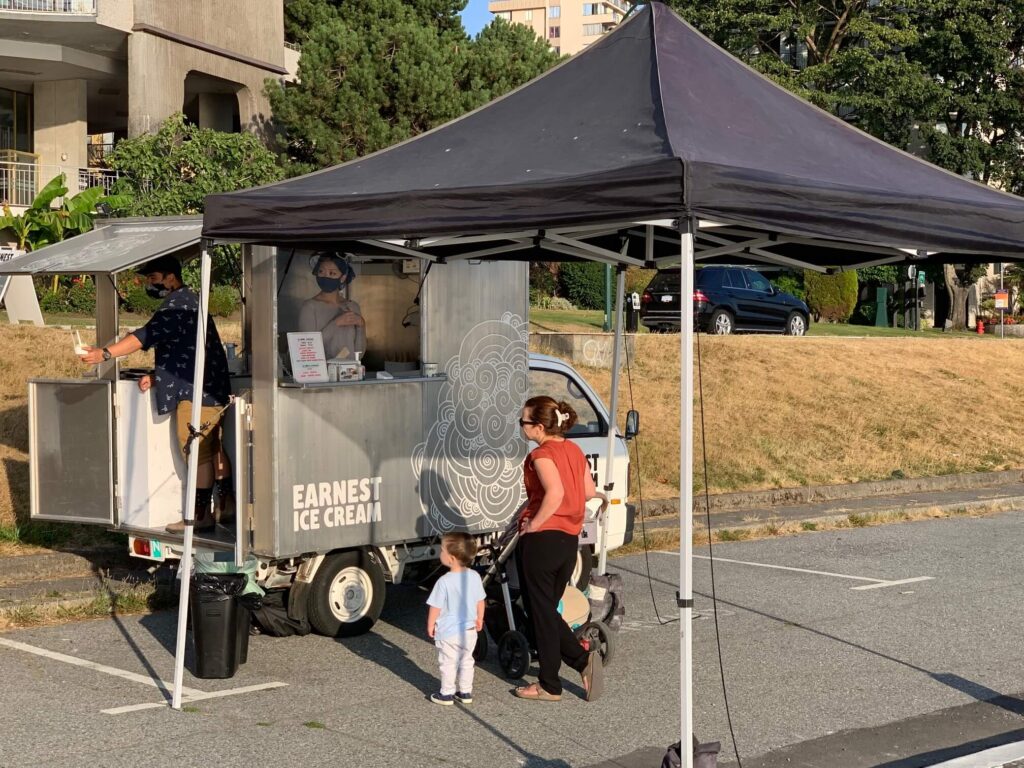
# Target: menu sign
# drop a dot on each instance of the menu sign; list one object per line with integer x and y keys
{"x": 309, "y": 363}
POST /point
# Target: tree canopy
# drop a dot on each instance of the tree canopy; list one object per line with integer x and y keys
{"x": 170, "y": 172}
{"x": 375, "y": 72}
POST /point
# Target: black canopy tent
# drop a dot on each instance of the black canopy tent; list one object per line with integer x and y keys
{"x": 652, "y": 146}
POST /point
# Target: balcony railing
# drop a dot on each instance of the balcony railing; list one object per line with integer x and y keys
{"x": 97, "y": 177}
{"x": 21, "y": 179}
{"x": 76, "y": 7}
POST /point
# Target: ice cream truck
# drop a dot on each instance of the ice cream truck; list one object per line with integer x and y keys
{"x": 342, "y": 480}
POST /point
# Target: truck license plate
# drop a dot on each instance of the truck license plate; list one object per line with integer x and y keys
{"x": 667, "y": 299}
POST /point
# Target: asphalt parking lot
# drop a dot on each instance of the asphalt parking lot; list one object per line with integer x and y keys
{"x": 893, "y": 646}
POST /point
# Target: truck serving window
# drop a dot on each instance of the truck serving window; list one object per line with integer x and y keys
{"x": 560, "y": 387}
{"x": 381, "y": 293}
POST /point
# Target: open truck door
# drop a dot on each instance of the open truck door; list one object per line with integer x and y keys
{"x": 99, "y": 452}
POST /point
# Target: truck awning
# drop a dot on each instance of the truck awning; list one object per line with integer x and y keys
{"x": 113, "y": 246}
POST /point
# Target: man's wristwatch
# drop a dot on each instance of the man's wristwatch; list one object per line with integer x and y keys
{"x": 106, "y": 354}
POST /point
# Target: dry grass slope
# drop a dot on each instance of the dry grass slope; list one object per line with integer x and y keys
{"x": 779, "y": 411}
{"x": 782, "y": 412}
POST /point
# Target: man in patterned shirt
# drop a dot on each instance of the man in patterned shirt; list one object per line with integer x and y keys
{"x": 172, "y": 333}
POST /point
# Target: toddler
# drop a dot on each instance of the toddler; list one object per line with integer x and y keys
{"x": 455, "y": 616}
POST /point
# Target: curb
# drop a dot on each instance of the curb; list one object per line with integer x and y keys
{"x": 1005, "y": 504}
{"x": 723, "y": 502}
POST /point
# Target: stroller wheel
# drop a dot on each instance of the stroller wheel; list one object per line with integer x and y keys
{"x": 480, "y": 649}
{"x": 514, "y": 654}
{"x": 597, "y": 636}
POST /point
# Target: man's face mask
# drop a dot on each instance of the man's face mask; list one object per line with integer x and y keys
{"x": 328, "y": 284}
{"x": 157, "y": 290}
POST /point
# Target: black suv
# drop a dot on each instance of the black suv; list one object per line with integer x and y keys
{"x": 725, "y": 299}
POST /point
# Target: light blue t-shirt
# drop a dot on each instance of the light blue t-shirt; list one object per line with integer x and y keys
{"x": 457, "y": 595}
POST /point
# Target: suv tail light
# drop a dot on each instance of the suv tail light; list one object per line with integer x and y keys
{"x": 646, "y": 298}
{"x": 699, "y": 297}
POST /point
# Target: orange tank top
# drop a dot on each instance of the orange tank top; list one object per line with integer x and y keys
{"x": 572, "y": 468}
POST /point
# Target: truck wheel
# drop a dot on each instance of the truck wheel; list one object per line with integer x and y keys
{"x": 584, "y": 565}
{"x": 347, "y": 594}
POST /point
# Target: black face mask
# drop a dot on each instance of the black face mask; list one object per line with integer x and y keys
{"x": 329, "y": 284}
{"x": 157, "y": 290}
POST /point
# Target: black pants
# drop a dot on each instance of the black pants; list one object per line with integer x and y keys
{"x": 546, "y": 561}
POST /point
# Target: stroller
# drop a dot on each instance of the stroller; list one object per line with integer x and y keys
{"x": 507, "y": 623}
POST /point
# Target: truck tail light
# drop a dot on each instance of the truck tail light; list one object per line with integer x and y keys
{"x": 141, "y": 547}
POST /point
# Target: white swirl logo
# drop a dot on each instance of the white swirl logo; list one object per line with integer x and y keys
{"x": 469, "y": 467}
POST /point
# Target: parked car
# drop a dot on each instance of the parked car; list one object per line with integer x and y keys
{"x": 725, "y": 299}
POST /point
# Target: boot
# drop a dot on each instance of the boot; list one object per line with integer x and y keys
{"x": 204, "y": 521}
{"x": 224, "y": 500}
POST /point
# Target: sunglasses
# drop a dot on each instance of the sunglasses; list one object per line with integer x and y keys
{"x": 524, "y": 422}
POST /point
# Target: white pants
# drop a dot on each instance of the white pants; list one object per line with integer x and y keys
{"x": 455, "y": 657}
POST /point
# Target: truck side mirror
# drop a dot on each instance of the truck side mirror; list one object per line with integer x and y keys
{"x": 632, "y": 424}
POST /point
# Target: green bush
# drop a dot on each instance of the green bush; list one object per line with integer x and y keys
{"x": 543, "y": 283}
{"x": 51, "y": 302}
{"x": 831, "y": 298}
{"x": 137, "y": 300}
{"x": 865, "y": 314}
{"x": 583, "y": 284}
{"x": 223, "y": 300}
{"x": 638, "y": 279}
{"x": 789, "y": 283}
{"x": 81, "y": 296}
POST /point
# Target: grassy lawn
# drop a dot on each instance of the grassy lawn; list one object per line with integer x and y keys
{"x": 870, "y": 331}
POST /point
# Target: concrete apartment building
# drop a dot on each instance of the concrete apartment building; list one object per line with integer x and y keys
{"x": 76, "y": 75}
{"x": 568, "y": 26}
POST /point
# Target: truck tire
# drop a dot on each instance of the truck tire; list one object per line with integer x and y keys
{"x": 584, "y": 565}
{"x": 347, "y": 594}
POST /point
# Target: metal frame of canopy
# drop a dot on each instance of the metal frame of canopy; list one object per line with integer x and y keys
{"x": 695, "y": 241}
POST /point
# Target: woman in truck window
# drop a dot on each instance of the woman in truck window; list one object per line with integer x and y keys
{"x": 331, "y": 312}
{"x": 558, "y": 486}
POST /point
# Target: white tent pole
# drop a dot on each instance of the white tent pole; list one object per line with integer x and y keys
{"x": 193, "y": 469}
{"x": 609, "y": 465}
{"x": 685, "y": 598}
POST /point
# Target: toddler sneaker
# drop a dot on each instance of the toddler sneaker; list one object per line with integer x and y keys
{"x": 463, "y": 698}
{"x": 444, "y": 699}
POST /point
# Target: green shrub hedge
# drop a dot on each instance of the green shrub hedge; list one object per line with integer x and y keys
{"x": 583, "y": 284}
{"x": 831, "y": 298}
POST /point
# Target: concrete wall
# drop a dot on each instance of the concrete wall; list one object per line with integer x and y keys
{"x": 118, "y": 14}
{"x": 60, "y": 125}
{"x": 253, "y": 28}
{"x": 157, "y": 69}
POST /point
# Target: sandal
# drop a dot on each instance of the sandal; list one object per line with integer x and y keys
{"x": 593, "y": 676}
{"x": 534, "y": 692}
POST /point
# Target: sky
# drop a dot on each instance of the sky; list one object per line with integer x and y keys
{"x": 476, "y": 16}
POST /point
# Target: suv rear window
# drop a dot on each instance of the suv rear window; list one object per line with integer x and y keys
{"x": 665, "y": 281}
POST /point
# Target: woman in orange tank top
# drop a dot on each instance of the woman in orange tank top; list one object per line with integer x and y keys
{"x": 558, "y": 486}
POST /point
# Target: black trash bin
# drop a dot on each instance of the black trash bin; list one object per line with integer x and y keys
{"x": 215, "y": 623}
{"x": 245, "y": 606}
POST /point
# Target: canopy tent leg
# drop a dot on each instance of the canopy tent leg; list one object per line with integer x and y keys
{"x": 685, "y": 599}
{"x": 609, "y": 466}
{"x": 193, "y": 469}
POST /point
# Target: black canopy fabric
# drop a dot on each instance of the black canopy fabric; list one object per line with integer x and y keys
{"x": 652, "y": 121}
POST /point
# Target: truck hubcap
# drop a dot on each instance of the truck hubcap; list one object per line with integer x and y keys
{"x": 351, "y": 594}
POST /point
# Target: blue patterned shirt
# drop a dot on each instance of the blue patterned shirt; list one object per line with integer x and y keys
{"x": 172, "y": 331}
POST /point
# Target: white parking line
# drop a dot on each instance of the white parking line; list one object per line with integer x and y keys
{"x": 872, "y": 583}
{"x": 189, "y": 694}
{"x": 990, "y": 758}
{"x": 198, "y": 696}
{"x": 155, "y": 682}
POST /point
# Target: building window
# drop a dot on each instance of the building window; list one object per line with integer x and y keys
{"x": 555, "y": 12}
{"x": 793, "y": 52}
{"x": 591, "y": 9}
{"x": 554, "y": 31}
{"x": 506, "y": 15}
{"x": 589, "y": 30}
{"x": 15, "y": 121}
{"x": 528, "y": 15}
